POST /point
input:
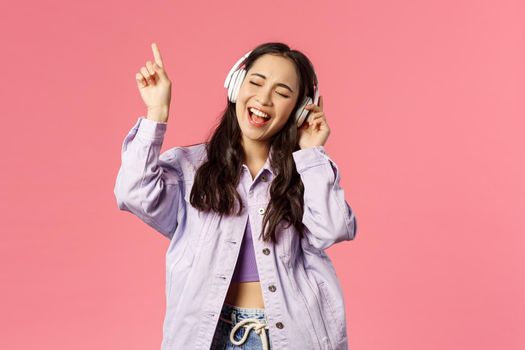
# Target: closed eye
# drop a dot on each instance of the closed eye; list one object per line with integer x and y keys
{"x": 251, "y": 82}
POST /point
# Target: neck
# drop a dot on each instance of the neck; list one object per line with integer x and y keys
{"x": 255, "y": 152}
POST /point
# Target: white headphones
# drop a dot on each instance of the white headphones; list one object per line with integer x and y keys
{"x": 236, "y": 76}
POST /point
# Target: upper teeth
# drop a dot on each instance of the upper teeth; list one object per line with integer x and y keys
{"x": 259, "y": 113}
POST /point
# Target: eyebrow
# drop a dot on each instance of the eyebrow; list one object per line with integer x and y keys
{"x": 278, "y": 84}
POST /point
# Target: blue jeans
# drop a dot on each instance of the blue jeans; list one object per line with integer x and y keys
{"x": 235, "y": 321}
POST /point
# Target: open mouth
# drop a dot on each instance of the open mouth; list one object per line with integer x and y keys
{"x": 257, "y": 119}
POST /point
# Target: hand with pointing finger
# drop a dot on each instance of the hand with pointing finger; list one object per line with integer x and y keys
{"x": 155, "y": 87}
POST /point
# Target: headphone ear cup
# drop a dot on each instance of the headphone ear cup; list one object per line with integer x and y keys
{"x": 231, "y": 86}
{"x": 238, "y": 82}
{"x": 301, "y": 113}
{"x": 231, "y": 78}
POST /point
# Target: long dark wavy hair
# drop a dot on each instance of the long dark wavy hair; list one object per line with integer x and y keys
{"x": 214, "y": 187}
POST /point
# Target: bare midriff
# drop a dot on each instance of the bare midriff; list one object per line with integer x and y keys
{"x": 245, "y": 294}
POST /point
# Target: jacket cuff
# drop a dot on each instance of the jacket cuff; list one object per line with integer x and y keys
{"x": 309, "y": 157}
{"x": 150, "y": 129}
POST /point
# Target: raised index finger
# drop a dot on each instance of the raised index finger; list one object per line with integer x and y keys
{"x": 156, "y": 54}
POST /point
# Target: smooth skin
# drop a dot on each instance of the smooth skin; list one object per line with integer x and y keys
{"x": 264, "y": 93}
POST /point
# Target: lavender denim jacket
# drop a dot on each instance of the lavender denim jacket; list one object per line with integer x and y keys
{"x": 303, "y": 299}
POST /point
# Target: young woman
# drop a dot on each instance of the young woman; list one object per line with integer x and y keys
{"x": 249, "y": 213}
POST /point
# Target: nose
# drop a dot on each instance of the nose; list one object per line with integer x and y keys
{"x": 264, "y": 96}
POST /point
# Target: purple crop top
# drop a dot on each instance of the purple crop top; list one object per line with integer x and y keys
{"x": 246, "y": 267}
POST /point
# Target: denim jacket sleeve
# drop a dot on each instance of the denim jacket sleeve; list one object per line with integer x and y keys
{"x": 327, "y": 216}
{"x": 148, "y": 184}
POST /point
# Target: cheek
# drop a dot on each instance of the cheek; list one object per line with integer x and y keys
{"x": 289, "y": 110}
{"x": 283, "y": 120}
{"x": 239, "y": 111}
{"x": 244, "y": 90}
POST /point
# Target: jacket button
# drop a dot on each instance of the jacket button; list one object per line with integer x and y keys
{"x": 272, "y": 288}
{"x": 261, "y": 211}
{"x": 266, "y": 251}
{"x": 279, "y": 325}
{"x": 263, "y": 177}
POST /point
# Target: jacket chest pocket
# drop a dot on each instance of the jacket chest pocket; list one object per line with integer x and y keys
{"x": 199, "y": 223}
{"x": 287, "y": 245}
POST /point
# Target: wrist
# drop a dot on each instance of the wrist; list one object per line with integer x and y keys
{"x": 158, "y": 114}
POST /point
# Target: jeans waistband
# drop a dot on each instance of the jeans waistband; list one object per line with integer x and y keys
{"x": 235, "y": 313}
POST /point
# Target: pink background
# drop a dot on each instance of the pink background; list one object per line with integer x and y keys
{"x": 425, "y": 100}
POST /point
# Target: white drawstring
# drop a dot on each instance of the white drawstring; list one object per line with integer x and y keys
{"x": 249, "y": 324}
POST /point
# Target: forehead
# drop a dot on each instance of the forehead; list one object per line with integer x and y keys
{"x": 277, "y": 68}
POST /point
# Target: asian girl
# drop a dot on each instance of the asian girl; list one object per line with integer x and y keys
{"x": 277, "y": 289}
